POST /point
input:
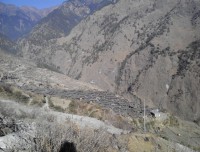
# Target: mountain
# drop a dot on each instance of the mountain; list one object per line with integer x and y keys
{"x": 63, "y": 19}
{"x": 137, "y": 65}
{"x": 18, "y": 21}
{"x": 37, "y": 14}
{"x": 145, "y": 50}
{"x": 7, "y": 45}
{"x": 42, "y": 110}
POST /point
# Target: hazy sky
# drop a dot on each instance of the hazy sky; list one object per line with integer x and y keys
{"x": 35, "y": 3}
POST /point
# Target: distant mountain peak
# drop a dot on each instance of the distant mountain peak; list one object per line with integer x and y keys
{"x": 62, "y": 20}
{"x": 18, "y": 21}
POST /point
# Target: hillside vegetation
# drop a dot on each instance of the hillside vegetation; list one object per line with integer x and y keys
{"x": 141, "y": 49}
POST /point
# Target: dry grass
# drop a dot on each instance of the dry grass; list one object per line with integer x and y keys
{"x": 62, "y": 103}
{"x": 96, "y": 111}
{"x": 173, "y": 121}
{"x": 84, "y": 108}
{"x": 37, "y": 99}
{"x": 93, "y": 110}
{"x": 55, "y": 107}
{"x": 11, "y": 92}
{"x": 140, "y": 144}
{"x": 51, "y": 135}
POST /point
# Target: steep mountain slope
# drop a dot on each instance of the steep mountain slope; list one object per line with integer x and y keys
{"x": 17, "y": 21}
{"x": 143, "y": 49}
{"x": 62, "y": 20}
{"x": 27, "y": 76}
{"x": 41, "y": 109}
{"x": 7, "y": 45}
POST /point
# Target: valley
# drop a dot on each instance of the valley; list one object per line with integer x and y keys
{"x": 101, "y": 76}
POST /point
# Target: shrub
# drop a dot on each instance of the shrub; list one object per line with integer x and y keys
{"x": 14, "y": 93}
{"x": 57, "y": 108}
{"x": 18, "y": 95}
{"x": 72, "y": 107}
{"x": 7, "y": 88}
{"x": 51, "y": 136}
{"x": 173, "y": 121}
{"x": 1, "y": 89}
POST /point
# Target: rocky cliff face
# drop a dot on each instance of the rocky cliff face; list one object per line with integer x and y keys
{"x": 17, "y": 21}
{"x": 142, "y": 49}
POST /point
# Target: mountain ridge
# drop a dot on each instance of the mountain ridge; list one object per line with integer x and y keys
{"x": 18, "y": 21}
{"x": 70, "y": 13}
